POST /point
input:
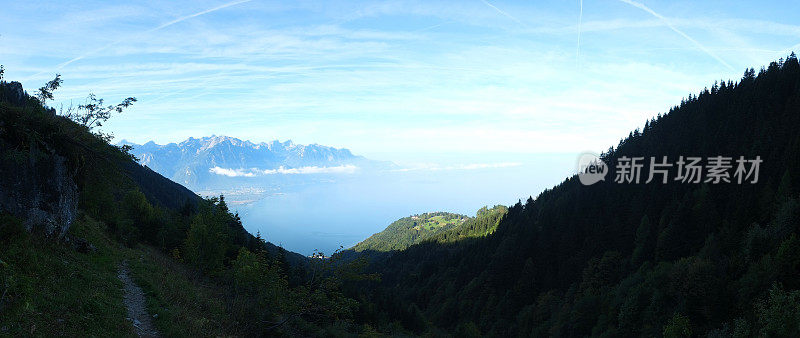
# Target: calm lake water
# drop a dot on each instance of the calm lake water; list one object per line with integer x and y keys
{"x": 351, "y": 207}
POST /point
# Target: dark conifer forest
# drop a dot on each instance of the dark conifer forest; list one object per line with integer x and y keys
{"x": 631, "y": 259}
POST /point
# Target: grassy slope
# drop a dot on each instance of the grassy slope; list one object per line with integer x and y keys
{"x": 186, "y": 304}
{"x": 47, "y": 288}
{"x": 51, "y": 289}
{"x": 410, "y": 230}
{"x": 440, "y": 227}
{"x": 483, "y": 224}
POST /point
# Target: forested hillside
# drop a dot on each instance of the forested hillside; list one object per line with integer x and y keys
{"x": 410, "y": 230}
{"x": 627, "y": 259}
{"x": 74, "y": 208}
{"x": 484, "y": 223}
{"x": 433, "y": 226}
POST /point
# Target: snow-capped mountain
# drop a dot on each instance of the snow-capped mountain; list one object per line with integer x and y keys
{"x": 218, "y": 162}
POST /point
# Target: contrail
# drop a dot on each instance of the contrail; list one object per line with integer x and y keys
{"x": 505, "y": 14}
{"x": 64, "y": 64}
{"x": 676, "y": 30}
{"x": 234, "y": 3}
{"x": 578, "y": 51}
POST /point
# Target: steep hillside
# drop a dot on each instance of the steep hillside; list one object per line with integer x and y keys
{"x": 628, "y": 259}
{"x": 75, "y": 209}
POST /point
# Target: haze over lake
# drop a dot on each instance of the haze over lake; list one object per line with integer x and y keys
{"x": 351, "y": 207}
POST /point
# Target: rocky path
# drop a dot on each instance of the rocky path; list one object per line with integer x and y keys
{"x": 136, "y": 305}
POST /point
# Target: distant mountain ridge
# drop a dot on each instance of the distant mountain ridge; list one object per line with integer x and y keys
{"x": 219, "y": 161}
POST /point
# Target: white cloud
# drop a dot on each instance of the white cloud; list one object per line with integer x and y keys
{"x": 342, "y": 169}
{"x": 231, "y": 172}
{"x": 253, "y": 172}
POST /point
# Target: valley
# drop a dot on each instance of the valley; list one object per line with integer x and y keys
{"x": 399, "y": 168}
{"x": 614, "y": 258}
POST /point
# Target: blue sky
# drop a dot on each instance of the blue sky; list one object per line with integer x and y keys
{"x": 394, "y": 80}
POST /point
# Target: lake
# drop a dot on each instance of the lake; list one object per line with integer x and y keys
{"x": 347, "y": 208}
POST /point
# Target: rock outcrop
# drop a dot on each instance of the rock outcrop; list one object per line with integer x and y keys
{"x": 13, "y": 93}
{"x": 38, "y": 189}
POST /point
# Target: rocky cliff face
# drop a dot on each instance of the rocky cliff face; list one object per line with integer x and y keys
{"x": 36, "y": 185}
{"x": 38, "y": 188}
{"x": 13, "y": 93}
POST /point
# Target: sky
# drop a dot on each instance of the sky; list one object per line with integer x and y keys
{"x": 407, "y": 81}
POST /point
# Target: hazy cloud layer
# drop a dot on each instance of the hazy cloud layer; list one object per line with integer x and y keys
{"x": 254, "y": 172}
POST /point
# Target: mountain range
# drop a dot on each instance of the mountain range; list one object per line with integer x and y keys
{"x": 223, "y": 162}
